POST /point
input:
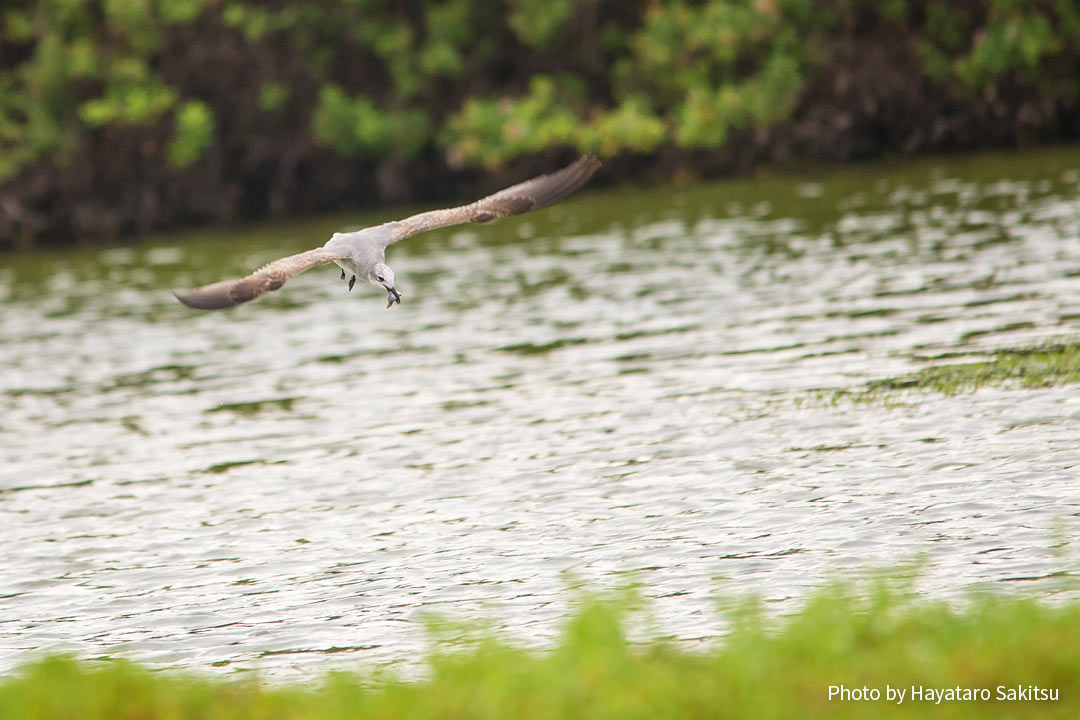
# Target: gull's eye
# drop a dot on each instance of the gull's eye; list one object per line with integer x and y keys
{"x": 379, "y": 278}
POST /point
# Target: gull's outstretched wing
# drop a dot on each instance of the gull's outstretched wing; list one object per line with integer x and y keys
{"x": 227, "y": 293}
{"x": 534, "y": 194}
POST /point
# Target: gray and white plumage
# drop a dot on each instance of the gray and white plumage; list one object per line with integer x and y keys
{"x": 363, "y": 253}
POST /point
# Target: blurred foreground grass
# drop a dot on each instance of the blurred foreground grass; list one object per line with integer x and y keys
{"x": 857, "y": 637}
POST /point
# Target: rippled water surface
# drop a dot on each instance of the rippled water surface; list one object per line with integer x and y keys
{"x": 625, "y": 382}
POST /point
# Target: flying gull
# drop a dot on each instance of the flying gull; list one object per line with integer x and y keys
{"x": 362, "y": 253}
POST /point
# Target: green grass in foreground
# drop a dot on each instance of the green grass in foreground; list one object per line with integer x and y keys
{"x": 766, "y": 668}
{"x": 1035, "y": 367}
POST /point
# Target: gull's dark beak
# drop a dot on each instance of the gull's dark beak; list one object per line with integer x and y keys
{"x": 392, "y": 296}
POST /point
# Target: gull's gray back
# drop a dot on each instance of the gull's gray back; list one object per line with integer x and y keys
{"x": 363, "y": 247}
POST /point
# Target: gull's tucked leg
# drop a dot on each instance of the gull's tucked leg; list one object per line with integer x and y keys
{"x": 342, "y": 274}
{"x": 352, "y": 281}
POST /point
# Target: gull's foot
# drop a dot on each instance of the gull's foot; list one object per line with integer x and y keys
{"x": 352, "y": 281}
{"x": 342, "y": 274}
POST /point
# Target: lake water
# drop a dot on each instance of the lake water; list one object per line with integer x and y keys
{"x": 624, "y": 383}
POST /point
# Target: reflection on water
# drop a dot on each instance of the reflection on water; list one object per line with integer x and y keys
{"x": 611, "y": 385}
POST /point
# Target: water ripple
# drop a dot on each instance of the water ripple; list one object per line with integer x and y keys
{"x": 292, "y": 485}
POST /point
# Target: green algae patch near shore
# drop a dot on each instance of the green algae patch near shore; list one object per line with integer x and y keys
{"x": 1033, "y": 367}
{"x": 848, "y": 652}
{"x": 1017, "y": 368}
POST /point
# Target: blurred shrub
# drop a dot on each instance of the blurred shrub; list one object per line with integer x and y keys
{"x": 356, "y": 127}
{"x": 981, "y": 47}
{"x": 193, "y": 134}
{"x": 684, "y": 73}
{"x": 493, "y": 131}
{"x": 538, "y": 23}
{"x": 278, "y": 86}
{"x": 132, "y": 95}
{"x": 631, "y": 126}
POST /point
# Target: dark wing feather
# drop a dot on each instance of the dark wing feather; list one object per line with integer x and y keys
{"x": 228, "y": 293}
{"x": 540, "y": 192}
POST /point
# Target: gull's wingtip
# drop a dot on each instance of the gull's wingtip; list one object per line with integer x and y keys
{"x": 190, "y": 299}
{"x": 581, "y": 170}
{"x": 211, "y": 297}
{"x": 591, "y": 161}
{"x": 184, "y": 298}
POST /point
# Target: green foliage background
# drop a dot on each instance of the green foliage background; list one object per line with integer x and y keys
{"x": 126, "y": 114}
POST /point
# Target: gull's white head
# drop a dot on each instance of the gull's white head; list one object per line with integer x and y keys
{"x": 382, "y": 276}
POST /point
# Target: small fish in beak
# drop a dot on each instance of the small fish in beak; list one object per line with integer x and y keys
{"x": 392, "y": 296}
